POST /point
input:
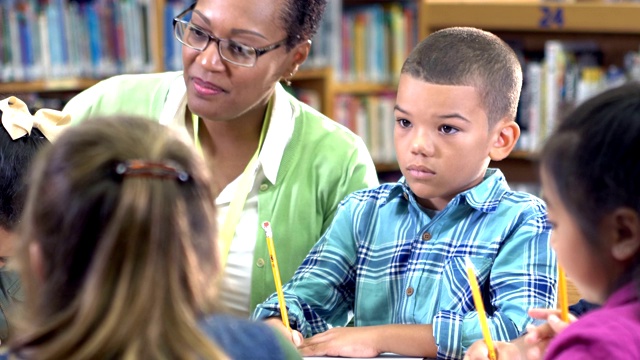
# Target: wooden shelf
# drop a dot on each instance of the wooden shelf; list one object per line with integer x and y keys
{"x": 592, "y": 17}
{"x": 360, "y": 88}
{"x": 57, "y": 85}
{"x": 312, "y": 74}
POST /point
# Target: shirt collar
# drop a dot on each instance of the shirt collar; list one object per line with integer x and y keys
{"x": 483, "y": 197}
{"x": 278, "y": 134}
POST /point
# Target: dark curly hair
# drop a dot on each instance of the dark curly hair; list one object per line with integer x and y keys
{"x": 593, "y": 157}
{"x": 301, "y": 19}
{"x": 593, "y": 162}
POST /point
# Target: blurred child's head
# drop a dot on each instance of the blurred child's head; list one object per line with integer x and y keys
{"x": 455, "y": 111}
{"x": 20, "y": 140}
{"x": 118, "y": 234}
{"x": 15, "y": 158}
{"x": 590, "y": 168}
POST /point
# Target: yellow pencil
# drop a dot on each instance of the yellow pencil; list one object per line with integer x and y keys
{"x": 276, "y": 273}
{"x": 563, "y": 300}
{"x": 482, "y": 316}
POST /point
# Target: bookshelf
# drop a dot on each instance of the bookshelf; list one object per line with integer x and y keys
{"x": 35, "y": 68}
{"x": 613, "y": 27}
{"x": 47, "y": 85}
{"x": 357, "y": 88}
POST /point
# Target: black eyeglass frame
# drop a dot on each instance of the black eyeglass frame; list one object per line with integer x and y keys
{"x": 258, "y": 51}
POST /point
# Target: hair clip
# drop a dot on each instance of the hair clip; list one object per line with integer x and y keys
{"x": 143, "y": 168}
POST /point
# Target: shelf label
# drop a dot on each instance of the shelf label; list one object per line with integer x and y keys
{"x": 551, "y": 17}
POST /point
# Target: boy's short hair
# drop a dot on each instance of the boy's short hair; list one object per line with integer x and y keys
{"x": 464, "y": 56}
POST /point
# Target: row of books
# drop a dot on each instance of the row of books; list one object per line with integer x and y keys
{"x": 559, "y": 79}
{"x": 45, "y": 39}
{"x": 360, "y": 43}
{"x": 172, "y": 48}
{"x": 556, "y": 80}
{"x": 372, "y": 118}
{"x": 365, "y": 42}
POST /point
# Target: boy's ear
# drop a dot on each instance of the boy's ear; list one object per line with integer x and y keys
{"x": 506, "y": 134}
{"x": 624, "y": 231}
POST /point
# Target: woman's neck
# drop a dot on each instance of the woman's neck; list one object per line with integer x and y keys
{"x": 228, "y": 146}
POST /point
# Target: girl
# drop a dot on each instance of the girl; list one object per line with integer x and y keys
{"x": 117, "y": 252}
{"x": 589, "y": 171}
{"x": 590, "y": 168}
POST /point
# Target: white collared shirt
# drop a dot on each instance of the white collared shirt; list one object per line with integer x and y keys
{"x": 235, "y": 287}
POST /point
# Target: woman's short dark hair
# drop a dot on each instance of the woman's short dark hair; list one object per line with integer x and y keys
{"x": 301, "y": 19}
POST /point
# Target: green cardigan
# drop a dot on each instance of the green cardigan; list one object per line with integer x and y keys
{"x": 322, "y": 163}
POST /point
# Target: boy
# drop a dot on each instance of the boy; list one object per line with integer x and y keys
{"x": 394, "y": 256}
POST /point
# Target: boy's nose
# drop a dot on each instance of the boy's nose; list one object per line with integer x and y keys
{"x": 422, "y": 145}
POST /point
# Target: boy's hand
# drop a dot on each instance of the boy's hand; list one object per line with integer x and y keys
{"x": 504, "y": 350}
{"x": 294, "y": 335}
{"x": 342, "y": 341}
{"x": 537, "y": 338}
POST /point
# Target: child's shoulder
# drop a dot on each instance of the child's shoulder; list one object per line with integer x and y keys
{"x": 376, "y": 193}
{"x": 494, "y": 194}
{"x": 612, "y": 333}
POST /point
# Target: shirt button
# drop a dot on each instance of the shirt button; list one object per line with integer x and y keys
{"x": 426, "y": 236}
{"x": 409, "y": 291}
{"x": 406, "y": 197}
{"x": 264, "y": 187}
{"x": 260, "y": 262}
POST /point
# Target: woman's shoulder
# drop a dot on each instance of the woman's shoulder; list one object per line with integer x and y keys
{"x": 245, "y": 339}
{"x": 134, "y": 94}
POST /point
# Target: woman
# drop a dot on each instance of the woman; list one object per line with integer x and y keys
{"x": 276, "y": 159}
{"x": 116, "y": 250}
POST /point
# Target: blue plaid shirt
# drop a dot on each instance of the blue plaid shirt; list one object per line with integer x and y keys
{"x": 384, "y": 260}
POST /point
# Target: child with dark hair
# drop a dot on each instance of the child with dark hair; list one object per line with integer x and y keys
{"x": 394, "y": 256}
{"x": 21, "y": 137}
{"x": 589, "y": 169}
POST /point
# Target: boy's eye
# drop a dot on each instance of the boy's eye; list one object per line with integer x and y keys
{"x": 404, "y": 123}
{"x": 446, "y": 129}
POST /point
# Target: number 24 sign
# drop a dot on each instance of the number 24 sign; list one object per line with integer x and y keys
{"x": 551, "y": 17}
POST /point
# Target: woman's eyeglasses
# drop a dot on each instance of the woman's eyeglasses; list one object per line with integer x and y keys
{"x": 231, "y": 51}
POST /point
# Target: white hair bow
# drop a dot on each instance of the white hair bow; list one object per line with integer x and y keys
{"x": 18, "y": 121}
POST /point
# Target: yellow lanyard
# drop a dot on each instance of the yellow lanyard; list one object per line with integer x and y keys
{"x": 244, "y": 187}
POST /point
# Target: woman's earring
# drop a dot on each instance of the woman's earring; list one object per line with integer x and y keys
{"x": 288, "y": 80}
